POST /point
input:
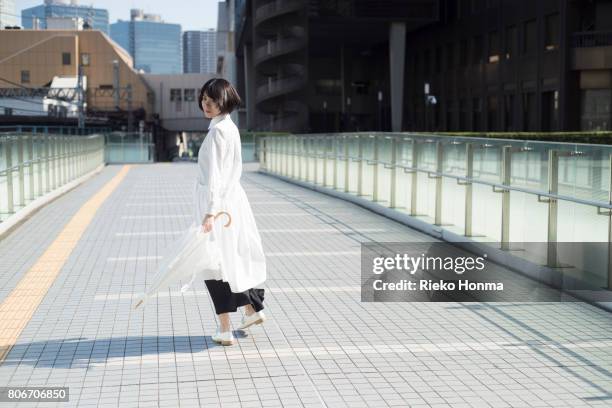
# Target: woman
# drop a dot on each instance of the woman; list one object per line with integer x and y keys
{"x": 217, "y": 189}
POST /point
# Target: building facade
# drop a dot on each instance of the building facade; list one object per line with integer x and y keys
{"x": 36, "y": 17}
{"x": 154, "y": 45}
{"x": 489, "y": 65}
{"x": 200, "y": 51}
{"x": 31, "y": 59}
{"x": 8, "y": 14}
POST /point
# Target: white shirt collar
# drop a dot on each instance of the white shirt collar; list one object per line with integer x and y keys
{"x": 217, "y": 119}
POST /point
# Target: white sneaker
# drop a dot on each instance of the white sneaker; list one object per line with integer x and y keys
{"x": 226, "y": 338}
{"x": 254, "y": 318}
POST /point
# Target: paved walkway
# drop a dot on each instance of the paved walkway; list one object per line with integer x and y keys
{"x": 320, "y": 347}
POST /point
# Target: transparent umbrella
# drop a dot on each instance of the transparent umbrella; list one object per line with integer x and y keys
{"x": 194, "y": 255}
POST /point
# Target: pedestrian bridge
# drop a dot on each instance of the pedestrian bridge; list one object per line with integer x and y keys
{"x": 71, "y": 269}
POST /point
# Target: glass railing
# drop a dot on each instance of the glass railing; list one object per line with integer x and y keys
{"x": 32, "y": 165}
{"x": 506, "y": 193}
{"x": 133, "y": 147}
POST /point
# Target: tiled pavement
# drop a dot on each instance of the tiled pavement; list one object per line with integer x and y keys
{"x": 320, "y": 346}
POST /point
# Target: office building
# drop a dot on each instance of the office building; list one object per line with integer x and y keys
{"x": 36, "y": 17}
{"x": 154, "y": 44}
{"x": 200, "y": 51}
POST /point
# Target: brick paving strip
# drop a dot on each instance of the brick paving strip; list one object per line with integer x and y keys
{"x": 19, "y": 306}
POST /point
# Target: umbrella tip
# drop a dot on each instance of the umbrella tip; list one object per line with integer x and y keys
{"x": 138, "y": 304}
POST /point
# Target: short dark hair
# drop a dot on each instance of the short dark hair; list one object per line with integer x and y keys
{"x": 222, "y": 92}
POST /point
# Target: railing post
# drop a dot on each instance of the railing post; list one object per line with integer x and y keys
{"x": 40, "y": 164}
{"x": 439, "y": 181}
{"x": 553, "y": 207}
{"x": 414, "y": 180}
{"x": 21, "y": 171}
{"x": 286, "y": 151}
{"x": 300, "y": 150}
{"x": 30, "y": 142}
{"x": 9, "y": 175}
{"x": 315, "y": 141}
{"x": 506, "y": 169}
{"x": 47, "y": 145}
{"x": 325, "y": 150}
{"x": 293, "y": 149}
{"x": 360, "y": 166}
{"x": 346, "y": 163}
{"x": 335, "y": 142}
{"x": 307, "y": 145}
{"x": 610, "y": 225}
{"x": 469, "y": 173}
{"x": 375, "y": 171}
{"x": 393, "y": 195}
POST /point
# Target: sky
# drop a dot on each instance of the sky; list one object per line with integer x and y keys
{"x": 191, "y": 14}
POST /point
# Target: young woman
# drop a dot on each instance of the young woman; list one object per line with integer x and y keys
{"x": 217, "y": 189}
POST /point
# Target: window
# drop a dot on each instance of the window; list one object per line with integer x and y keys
{"x": 529, "y": 111}
{"x": 427, "y": 61}
{"x": 530, "y": 38}
{"x": 508, "y": 112}
{"x": 552, "y": 32}
{"x": 596, "y": 109}
{"x": 493, "y": 47}
{"x": 85, "y": 59}
{"x": 175, "y": 95}
{"x": 65, "y": 58}
{"x": 189, "y": 95}
{"x": 25, "y": 76}
{"x": 477, "y": 50}
{"x": 492, "y": 113}
{"x": 450, "y": 56}
{"x": 463, "y": 53}
{"x": 106, "y": 86}
{"x": 511, "y": 41}
{"x": 476, "y": 114}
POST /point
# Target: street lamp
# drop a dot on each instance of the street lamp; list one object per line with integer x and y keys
{"x": 429, "y": 100}
{"x": 380, "y": 98}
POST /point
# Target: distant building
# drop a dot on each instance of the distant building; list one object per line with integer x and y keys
{"x": 176, "y": 100}
{"x": 8, "y": 14}
{"x": 36, "y": 17}
{"x": 38, "y": 59}
{"x": 200, "y": 51}
{"x": 154, "y": 45}
{"x": 226, "y": 53}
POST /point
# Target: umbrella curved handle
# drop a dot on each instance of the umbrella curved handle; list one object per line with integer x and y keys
{"x": 229, "y": 217}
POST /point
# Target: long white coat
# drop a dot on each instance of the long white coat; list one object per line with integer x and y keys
{"x": 217, "y": 188}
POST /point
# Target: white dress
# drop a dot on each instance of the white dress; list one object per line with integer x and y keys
{"x": 233, "y": 254}
{"x": 217, "y": 188}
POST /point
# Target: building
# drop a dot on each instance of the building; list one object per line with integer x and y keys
{"x": 31, "y": 59}
{"x": 490, "y": 65}
{"x": 200, "y": 51}
{"x": 511, "y": 65}
{"x": 226, "y": 51}
{"x": 176, "y": 100}
{"x": 8, "y": 14}
{"x": 154, "y": 45}
{"x": 36, "y": 17}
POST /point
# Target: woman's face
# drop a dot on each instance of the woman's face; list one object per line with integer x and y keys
{"x": 211, "y": 108}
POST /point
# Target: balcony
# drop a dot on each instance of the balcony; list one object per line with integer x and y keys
{"x": 591, "y": 50}
{"x": 276, "y": 8}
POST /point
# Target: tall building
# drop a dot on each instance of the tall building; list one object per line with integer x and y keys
{"x": 154, "y": 45}
{"x": 200, "y": 51}
{"x": 36, "y": 17}
{"x": 350, "y": 65}
{"x": 8, "y": 14}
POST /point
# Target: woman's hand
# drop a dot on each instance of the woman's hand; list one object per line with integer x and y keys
{"x": 207, "y": 224}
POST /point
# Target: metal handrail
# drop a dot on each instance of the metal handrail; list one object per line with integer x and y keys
{"x": 598, "y": 204}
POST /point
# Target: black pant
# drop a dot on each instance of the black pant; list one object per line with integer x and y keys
{"x": 226, "y": 301}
